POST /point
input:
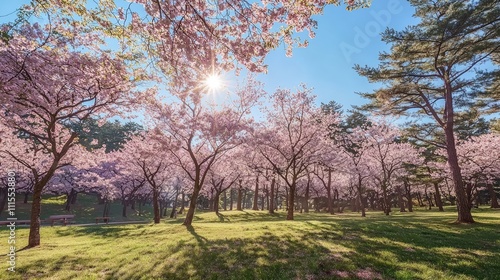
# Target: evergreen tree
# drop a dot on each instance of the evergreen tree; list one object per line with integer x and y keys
{"x": 439, "y": 68}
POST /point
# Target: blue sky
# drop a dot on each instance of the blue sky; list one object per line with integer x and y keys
{"x": 342, "y": 39}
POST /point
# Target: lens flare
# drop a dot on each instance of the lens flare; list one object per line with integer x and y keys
{"x": 213, "y": 82}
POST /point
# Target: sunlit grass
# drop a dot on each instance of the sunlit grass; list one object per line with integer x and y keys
{"x": 255, "y": 245}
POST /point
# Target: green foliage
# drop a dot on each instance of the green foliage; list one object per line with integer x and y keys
{"x": 112, "y": 134}
{"x": 449, "y": 47}
{"x": 255, "y": 245}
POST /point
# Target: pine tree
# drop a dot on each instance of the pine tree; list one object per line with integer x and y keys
{"x": 439, "y": 68}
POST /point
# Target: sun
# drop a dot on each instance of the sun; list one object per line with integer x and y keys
{"x": 213, "y": 82}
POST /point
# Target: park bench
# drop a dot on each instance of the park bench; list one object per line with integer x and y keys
{"x": 18, "y": 222}
{"x": 64, "y": 219}
{"x": 104, "y": 219}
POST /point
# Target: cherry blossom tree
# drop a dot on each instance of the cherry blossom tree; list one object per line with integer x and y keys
{"x": 182, "y": 37}
{"x": 388, "y": 157}
{"x": 354, "y": 150}
{"x": 226, "y": 173}
{"x": 196, "y": 133}
{"x": 479, "y": 159}
{"x": 46, "y": 82}
{"x": 144, "y": 154}
{"x": 292, "y": 137}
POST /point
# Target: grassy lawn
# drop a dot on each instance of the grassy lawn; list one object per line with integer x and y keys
{"x": 254, "y": 245}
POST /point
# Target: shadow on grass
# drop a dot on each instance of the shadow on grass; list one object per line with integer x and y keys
{"x": 402, "y": 250}
{"x": 223, "y": 218}
{"x": 200, "y": 239}
{"x": 102, "y": 231}
{"x": 319, "y": 247}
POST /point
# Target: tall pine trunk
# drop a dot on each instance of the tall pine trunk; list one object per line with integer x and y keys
{"x": 463, "y": 207}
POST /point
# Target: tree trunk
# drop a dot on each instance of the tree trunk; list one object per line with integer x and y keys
{"x": 124, "y": 208}
{"x": 271, "y": 201}
{"x": 34, "y": 236}
{"x": 361, "y": 204}
{"x": 245, "y": 200}
{"x": 239, "y": 199}
{"x": 256, "y": 194}
{"x": 3, "y": 198}
{"x": 231, "y": 199}
{"x": 437, "y": 195}
{"x": 276, "y": 201}
{"x": 291, "y": 202}
{"x": 73, "y": 198}
{"x": 387, "y": 205}
{"x": 216, "y": 202}
{"x": 267, "y": 198}
{"x": 360, "y": 196}
{"x": 224, "y": 201}
{"x": 192, "y": 205}
{"x": 306, "y": 197}
{"x": 468, "y": 193}
{"x": 174, "y": 205}
{"x": 26, "y": 196}
{"x": 400, "y": 199}
{"x": 420, "y": 200}
{"x": 165, "y": 209}
{"x": 354, "y": 204}
{"x": 329, "y": 193}
{"x": 105, "y": 209}
{"x": 286, "y": 198}
{"x": 156, "y": 206}
{"x": 493, "y": 196}
{"x": 408, "y": 196}
{"x": 429, "y": 200}
{"x": 69, "y": 198}
{"x": 464, "y": 210}
{"x": 183, "y": 197}
{"x": 162, "y": 208}
{"x": 336, "y": 197}
{"x": 371, "y": 199}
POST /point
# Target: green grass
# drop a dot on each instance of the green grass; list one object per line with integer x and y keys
{"x": 254, "y": 245}
{"x": 86, "y": 209}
